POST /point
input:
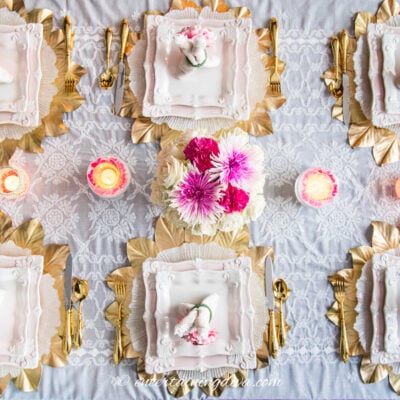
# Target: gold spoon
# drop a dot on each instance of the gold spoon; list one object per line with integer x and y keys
{"x": 281, "y": 293}
{"x": 107, "y": 78}
{"x": 80, "y": 290}
{"x": 336, "y": 87}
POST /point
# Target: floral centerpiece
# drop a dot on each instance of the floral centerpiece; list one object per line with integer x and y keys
{"x": 208, "y": 183}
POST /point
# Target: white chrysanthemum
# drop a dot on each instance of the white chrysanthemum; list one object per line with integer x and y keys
{"x": 231, "y": 222}
{"x": 255, "y": 207}
{"x": 204, "y": 229}
{"x": 170, "y": 172}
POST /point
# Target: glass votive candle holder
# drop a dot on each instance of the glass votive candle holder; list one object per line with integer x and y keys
{"x": 108, "y": 177}
{"x": 14, "y": 182}
{"x": 316, "y": 187}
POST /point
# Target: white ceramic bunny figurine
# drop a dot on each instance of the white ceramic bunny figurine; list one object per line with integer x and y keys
{"x": 196, "y": 45}
{"x": 197, "y": 317}
{"x": 194, "y": 50}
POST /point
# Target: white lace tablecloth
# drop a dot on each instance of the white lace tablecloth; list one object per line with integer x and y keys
{"x": 309, "y": 244}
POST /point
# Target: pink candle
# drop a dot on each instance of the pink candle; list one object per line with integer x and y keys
{"x": 14, "y": 182}
{"x": 316, "y": 187}
{"x": 108, "y": 177}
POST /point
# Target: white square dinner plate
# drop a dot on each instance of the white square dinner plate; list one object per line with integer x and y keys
{"x": 382, "y": 78}
{"x": 216, "y": 92}
{"x": 384, "y": 309}
{"x": 391, "y": 70}
{"x": 168, "y": 284}
{"x": 20, "y": 310}
{"x": 20, "y": 56}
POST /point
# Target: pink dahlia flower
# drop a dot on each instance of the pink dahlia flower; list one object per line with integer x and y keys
{"x": 193, "y": 337}
{"x": 234, "y": 199}
{"x": 199, "y": 152}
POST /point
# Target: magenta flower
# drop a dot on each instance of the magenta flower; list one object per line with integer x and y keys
{"x": 234, "y": 199}
{"x": 235, "y": 162}
{"x": 193, "y": 337}
{"x": 196, "y": 198}
{"x": 199, "y": 152}
{"x": 194, "y": 31}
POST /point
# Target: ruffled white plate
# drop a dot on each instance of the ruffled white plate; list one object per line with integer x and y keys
{"x": 49, "y": 303}
{"x": 249, "y": 63}
{"x": 47, "y": 88}
{"x": 192, "y": 251}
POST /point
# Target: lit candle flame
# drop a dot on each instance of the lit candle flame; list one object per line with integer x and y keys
{"x": 11, "y": 183}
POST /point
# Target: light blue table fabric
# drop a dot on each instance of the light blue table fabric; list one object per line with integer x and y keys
{"x": 309, "y": 244}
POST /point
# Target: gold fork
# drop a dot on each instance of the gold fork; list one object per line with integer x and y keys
{"x": 339, "y": 290}
{"x": 120, "y": 295}
{"x": 69, "y": 79}
{"x": 275, "y": 80}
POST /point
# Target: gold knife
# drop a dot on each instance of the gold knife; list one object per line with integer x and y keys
{"x": 273, "y": 345}
{"x": 67, "y": 335}
{"x": 344, "y": 42}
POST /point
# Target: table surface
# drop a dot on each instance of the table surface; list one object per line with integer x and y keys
{"x": 309, "y": 244}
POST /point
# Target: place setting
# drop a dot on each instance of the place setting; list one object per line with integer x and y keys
{"x": 366, "y": 307}
{"x": 364, "y": 81}
{"x": 210, "y": 51}
{"x": 41, "y": 301}
{"x": 38, "y": 79}
{"x": 197, "y": 310}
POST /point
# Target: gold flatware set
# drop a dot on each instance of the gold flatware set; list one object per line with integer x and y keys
{"x": 120, "y": 295}
{"x": 75, "y": 291}
{"x": 275, "y": 80}
{"x": 281, "y": 293}
{"x": 80, "y": 290}
{"x": 115, "y": 75}
{"x": 107, "y": 78}
{"x": 277, "y": 292}
{"x": 69, "y": 78}
{"x": 340, "y": 296}
{"x": 340, "y": 87}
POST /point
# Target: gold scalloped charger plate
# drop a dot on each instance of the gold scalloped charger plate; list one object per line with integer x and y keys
{"x": 362, "y": 133}
{"x": 30, "y": 235}
{"x": 384, "y": 237}
{"x": 52, "y": 124}
{"x": 144, "y": 130}
{"x": 168, "y": 236}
